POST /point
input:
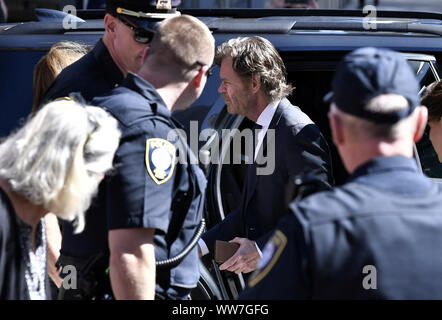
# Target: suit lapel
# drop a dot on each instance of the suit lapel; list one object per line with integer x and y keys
{"x": 252, "y": 178}
{"x": 278, "y": 113}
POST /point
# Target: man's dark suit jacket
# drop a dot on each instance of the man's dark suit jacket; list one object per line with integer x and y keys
{"x": 299, "y": 148}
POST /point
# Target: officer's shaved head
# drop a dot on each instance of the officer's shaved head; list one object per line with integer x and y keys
{"x": 181, "y": 44}
{"x": 362, "y": 129}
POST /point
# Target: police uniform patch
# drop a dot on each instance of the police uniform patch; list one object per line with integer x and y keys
{"x": 270, "y": 255}
{"x": 160, "y": 159}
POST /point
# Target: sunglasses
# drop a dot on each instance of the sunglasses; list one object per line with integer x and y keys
{"x": 140, "y": 35}
{"x": 209, "y": 71}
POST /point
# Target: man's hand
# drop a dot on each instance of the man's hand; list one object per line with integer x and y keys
{"x": 245, "y": 258}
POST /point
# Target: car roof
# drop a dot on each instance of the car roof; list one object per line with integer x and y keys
{"x": 288, "y": 29}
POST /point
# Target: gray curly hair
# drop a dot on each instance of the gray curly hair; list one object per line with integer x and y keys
{"x": 54, "y": 159}
{"x": 257, "y": 56}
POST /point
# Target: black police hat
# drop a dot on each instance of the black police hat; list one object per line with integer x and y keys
{"x": 367, "y": 73}
{"x": 142, "y": 13}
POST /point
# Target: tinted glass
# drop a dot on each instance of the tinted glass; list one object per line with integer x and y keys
{"x": 427, "y": 156}
{"x": 16, "y": 69}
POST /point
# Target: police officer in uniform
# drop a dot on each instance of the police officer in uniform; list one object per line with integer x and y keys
{"x": 377, "y": 236}
{"x": 154, "y": 202}
{"x": 121, "y": 50}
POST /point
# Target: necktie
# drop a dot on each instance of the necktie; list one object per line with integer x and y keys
{"x": 256, "y": 128}
{"x": 251, "y": 174}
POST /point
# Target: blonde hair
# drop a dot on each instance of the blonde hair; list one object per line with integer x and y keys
{"x": 180, "y": 44}
{"x": 54, "y": 158}
{"x": 59, "y": 56}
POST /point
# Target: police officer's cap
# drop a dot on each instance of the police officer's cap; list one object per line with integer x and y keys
{"x": 145, "y": 14}
{"x": 367, "y": 73}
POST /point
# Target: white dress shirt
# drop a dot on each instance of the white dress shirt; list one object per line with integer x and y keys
{"x": 264, "y": 120}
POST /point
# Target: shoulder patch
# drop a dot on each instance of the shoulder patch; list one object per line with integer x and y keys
{"x": 160, "y": 159}
{"x": 270, "y": 254}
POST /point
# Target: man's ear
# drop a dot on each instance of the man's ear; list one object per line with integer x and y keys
{"x": 146, "y": 52}
{"x": 110, "y": 24}
{"x": 198, "y": 79}
{"x": 422, "y": 119}
{"x": 336, "y": 129}
{"x": 256, "y": 83}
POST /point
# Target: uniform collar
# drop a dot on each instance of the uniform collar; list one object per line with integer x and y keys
{"x": 384, "y": 164}
{"x": 147, "y": 90}
{"x": 393, "y": 175}
{"x": 107, "y": 65}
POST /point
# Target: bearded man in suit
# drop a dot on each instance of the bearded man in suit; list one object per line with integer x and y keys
{"x": 254, "y": 84}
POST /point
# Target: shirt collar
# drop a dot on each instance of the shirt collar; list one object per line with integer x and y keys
{"x": 266, "y": 115}
{"x": 147, "y": 90}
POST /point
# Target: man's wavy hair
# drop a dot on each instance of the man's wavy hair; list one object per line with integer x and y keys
{"x": 257, "y": 56}
{"x": 56, "y": 158}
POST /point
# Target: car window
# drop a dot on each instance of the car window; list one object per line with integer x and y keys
{"x": 210, "y": 92}
{"x": 16, "y": 86}
{"x": 426, "y": 156}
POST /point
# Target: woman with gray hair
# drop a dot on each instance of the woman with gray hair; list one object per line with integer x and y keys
{"x": 54, "y": 163}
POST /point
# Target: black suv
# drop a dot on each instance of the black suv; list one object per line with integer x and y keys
{"x": 311, "y": 42}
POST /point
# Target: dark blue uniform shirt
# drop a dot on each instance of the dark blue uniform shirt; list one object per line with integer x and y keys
{"x": 148, "y": 189}
{"x": 93, "y": 75}
{"x": 376, "y": 237}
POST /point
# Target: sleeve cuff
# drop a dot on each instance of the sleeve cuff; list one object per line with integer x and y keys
{"x": 257, "y": 248}
{"x": 203, "y": 247}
